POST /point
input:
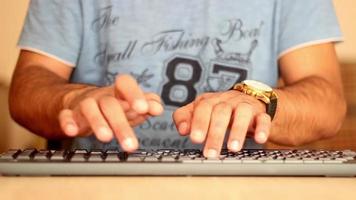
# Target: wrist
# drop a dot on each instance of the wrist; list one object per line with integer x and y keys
{"x": 261, "y": 92}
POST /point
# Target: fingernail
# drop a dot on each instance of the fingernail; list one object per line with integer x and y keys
{"x": 262, "y": 137}
{"x": 140, "y": 106}
{"x": 183, "y": 128}
{"x": 105, "y": 133}
{"x": 129, "y": 144}
{"x": 212, "y": 153}
{"x": 234, "y": 145}
{"x": 71, "y": 129}
{"x": 198, "y": 135}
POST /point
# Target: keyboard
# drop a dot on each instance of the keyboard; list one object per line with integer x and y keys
{"x": 32, "y": 162}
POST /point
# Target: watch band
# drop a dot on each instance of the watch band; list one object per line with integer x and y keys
{"x": 271, "y": 108}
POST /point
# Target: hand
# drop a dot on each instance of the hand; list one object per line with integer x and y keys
{"x": 110, "y": 111}
{"x": 208, "y": 117}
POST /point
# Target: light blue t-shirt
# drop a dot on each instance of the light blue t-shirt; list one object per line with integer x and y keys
{"x": 177, "y": 48}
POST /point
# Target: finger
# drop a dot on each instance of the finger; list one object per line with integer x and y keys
{"x": 200, "y": 122}
{"x": 128, "y": 89}
{"x": 124, "y": 105}
{"x": 220, "y": 120}
{"x": 215, "y": 98}
{"x": 153, "y": 96}
{"x": 90, "y": 110}
{"x": 205, "y": 96}
{"x": 67, "y": 123}
{"x": 182, "y": 119}
{"x": 154, "y": 104}
{"x": 242, "y": 119}
{"x": 131, "y": 115}
{"x": 263, "y": 127}
{"x": 137, "y": 121}
{"x": 155, "y": 108}
{"x": 117, "y": 120}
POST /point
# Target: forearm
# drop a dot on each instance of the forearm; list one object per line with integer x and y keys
{"x": 36, "y": 98}
{"x": 308, "y": 110}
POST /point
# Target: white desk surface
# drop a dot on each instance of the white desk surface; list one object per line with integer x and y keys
{"x": 182, "y": 188}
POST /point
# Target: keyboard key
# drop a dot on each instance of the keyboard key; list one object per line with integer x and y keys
{"x": 42, "y": 155}
{"x": 10, "y": 154}
{"x": 183, "y": 158}
{"x": 26, "y": 155}
{"x": 59, "y": 155}
{"x": 112, "y": 157}
{"x": 82, "y": 151}
{"x": 136, "y": 157}
{"x": 96, "y": 156}
{"x": 79, "y": 157}
{"x": 349, "y": 153}
{"x": 335, "y": 160}
{"x": 169, "y": 158}
{"x": 152, "y": 159}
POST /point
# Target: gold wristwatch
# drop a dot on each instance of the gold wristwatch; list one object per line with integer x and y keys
{"x": 260, "y": 91}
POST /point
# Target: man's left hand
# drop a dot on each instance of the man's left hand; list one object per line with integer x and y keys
{"x": 210, "y": 115}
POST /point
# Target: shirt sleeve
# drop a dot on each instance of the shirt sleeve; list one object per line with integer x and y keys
{"x": 307, "y": 22}
{"x": 53, "y": 28}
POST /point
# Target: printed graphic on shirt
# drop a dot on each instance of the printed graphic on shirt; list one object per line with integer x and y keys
{"x": 224, "y": 55}
{"x": 181, "y": 64}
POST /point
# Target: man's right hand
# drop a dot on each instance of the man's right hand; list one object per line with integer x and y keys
{"x": 110, "y": 112}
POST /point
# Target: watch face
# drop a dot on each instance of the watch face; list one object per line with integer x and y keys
{"x": 258, "y": 85}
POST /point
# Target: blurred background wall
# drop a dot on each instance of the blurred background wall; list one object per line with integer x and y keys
{"x": 12, "y": 13}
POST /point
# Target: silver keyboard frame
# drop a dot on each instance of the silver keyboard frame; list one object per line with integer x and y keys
{"x": 176, "y": 169}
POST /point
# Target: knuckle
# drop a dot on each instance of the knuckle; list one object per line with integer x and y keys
{"x": 176, "y": 115}
{"x": 245, "y": 105}
{"x": 219, "y": 127}
{"x": 241, "y": 113}
{"x": 64, "y": 113}
{"x": 94, "y": 119}
{"x": 153, "y": 96}
{"x": 198, "y": 121}
{"x": 87, "y": 103}
{"x": 223, "y": 107}
{"x": 122, "y": 78}
{"x": 264, "y": 119}
{"x": 203, "y": 104}
{"x": 104, "y": 100}
{"x": 222, "y": 110}
{"x": 203, "y": 96}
